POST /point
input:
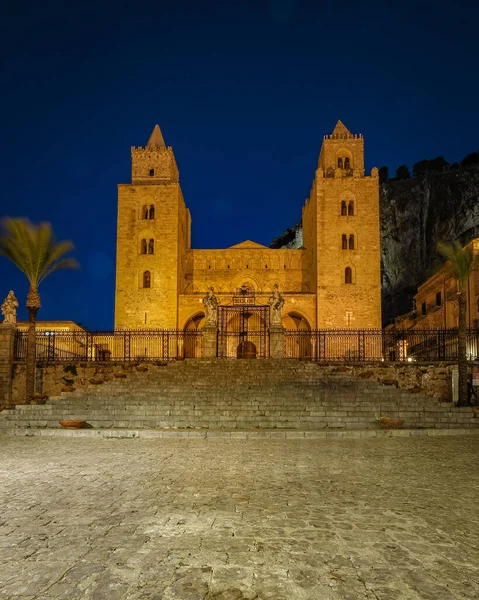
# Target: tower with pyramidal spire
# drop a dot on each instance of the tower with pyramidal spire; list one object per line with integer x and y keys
{"x": 329, "y": 281}
{"x": 152, "y": 236}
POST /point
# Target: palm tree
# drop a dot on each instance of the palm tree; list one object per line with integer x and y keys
{"x": 462, "y": 262}
{"x": 34, "y": 250}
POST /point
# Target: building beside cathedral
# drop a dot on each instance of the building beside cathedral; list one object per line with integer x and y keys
{"x": 332, "y": 282}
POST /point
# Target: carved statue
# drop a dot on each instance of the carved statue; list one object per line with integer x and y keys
{"x": 9, "y": 308}
{"x": 211, "y": 307}
{"x": 276, "y": 303}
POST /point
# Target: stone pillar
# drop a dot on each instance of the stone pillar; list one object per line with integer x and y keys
{"x": 7, "y": 349}
{"x": 276, "y": 341}
{"x": 210, "y": 341}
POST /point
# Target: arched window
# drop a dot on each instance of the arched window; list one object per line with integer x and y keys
{"x": 344, "y": 244}
{"x": 143, "y": 247}
{"x": 152, "y": 172}
{"x": 344, "y": 210}
{"x": 346, "y": 163}
{"x": 351, "y": 242}
{"x": 151, "y": 247}
{"x": 348, "y": 275}
{"x": 350, "y": 208}
{"x": 144, "y": 212}
{"x": 146, "y": 279}
{"x": 151, "y": 212}
{"x": 340, "y": 163}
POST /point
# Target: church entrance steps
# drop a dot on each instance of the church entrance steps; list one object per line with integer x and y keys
{"x": 237, "y": 434}
{"x": 275, "y": 396}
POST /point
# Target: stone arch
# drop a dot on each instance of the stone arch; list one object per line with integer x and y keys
{"x": 192, "y": 341}
{"x": 191, "y": 288}
{"x": 296, "y": 321}
{"x": 348, "y": 274}
{"x": 246, "y": 279}
{"x": 344, "y": 208}
{"x": 300, "y": 345}
{"x": 195, "y": 321}
{"x": 345, "y": 237}
{"x": 344, "y": 159}
{"x": 225, "y": 288}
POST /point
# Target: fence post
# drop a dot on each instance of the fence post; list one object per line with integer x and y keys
{"x": 7, "y": 357}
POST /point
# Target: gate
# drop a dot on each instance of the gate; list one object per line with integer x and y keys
{"x": 243, "y": 329}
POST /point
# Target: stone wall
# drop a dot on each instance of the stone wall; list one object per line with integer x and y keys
{"x": 52, "y": 379}
{"x": 7, "y": 342}
{"x": 432, "y": 379}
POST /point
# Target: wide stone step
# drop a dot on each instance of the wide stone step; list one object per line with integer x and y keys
{"x": 236, "y": 394}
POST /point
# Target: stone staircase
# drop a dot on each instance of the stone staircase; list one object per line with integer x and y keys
{"x": 239, "y": 395}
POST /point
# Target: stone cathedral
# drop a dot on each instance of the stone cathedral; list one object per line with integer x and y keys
{"x": 332, "y": 282}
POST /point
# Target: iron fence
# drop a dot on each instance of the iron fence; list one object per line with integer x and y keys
{"x": 91, "y": 346}
{"x": 350, "y": 345}
{"x": 334, "y": 345}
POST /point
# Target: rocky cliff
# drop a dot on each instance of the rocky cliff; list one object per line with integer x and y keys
{"x": 416, "y": 213}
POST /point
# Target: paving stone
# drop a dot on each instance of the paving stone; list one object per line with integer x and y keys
{"x": 239, "y": 519}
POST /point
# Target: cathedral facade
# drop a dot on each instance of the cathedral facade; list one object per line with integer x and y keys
{"x": 332, "y": 282}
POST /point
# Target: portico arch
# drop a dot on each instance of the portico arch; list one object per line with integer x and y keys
{"x": 297, "y": 346}
{"x": 192, "y": 342}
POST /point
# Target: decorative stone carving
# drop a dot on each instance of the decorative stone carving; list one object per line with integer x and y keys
{"x": 276, "y": 303}
{"x": 9, "y": 309}
{"x": 211, "y": 308}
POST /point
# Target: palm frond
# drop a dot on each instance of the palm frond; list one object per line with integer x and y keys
{"x": 462, "y": 261}
{"x": 33, "y": 249}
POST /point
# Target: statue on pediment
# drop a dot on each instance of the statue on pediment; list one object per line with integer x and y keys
{"x": 211, "y": 307}
{"x": 9, "y": 309}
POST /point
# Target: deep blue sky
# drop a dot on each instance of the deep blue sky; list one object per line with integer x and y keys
{"x": 243, "y": 91}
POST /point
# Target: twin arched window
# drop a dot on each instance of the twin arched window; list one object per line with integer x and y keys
{"x": 147, "y": 279}
{"x": 347, "y": 242}
{"x": 344, "y": 163}
{"x": 147, "y": 247}
{"x": 148, "y": 212}
{"x": 347, "y": 208}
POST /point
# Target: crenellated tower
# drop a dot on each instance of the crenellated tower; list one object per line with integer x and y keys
{"x": 153, "y": 235}
{"x": 341, "y": 235}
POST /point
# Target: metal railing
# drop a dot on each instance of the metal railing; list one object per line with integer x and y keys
{"x": 351, "y": 345}
{"x": 333, "y": 345}
{"x": 91, "y": 346}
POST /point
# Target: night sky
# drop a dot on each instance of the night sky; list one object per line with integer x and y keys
{"x": 244, "y": 92}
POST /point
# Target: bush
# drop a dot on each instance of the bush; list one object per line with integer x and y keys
{"x": 436, "y": 165}
{"x": 402, "y": 172}
{"x": 470, "y": 159}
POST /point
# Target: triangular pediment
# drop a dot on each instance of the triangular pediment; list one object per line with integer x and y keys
{"x": 248, "y": 244}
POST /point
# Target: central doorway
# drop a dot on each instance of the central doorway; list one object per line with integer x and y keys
{"x": 243, "y": 328}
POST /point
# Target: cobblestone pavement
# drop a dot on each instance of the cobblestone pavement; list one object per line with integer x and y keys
{"x": 187, "y": 519}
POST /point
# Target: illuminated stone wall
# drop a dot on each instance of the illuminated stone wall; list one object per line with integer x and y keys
{"x": 311, "y": 279}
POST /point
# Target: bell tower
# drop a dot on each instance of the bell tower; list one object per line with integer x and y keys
{"x": 152, "y": 238}
{"x": 341, "y": 235}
